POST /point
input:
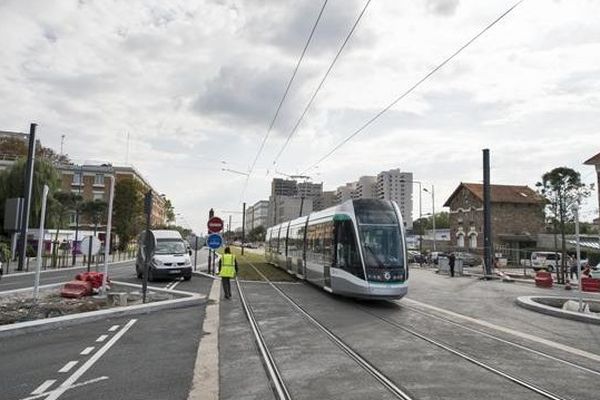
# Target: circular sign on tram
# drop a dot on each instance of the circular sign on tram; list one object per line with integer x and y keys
{"x": 215, "y": 224}
{"x": 214, "y": 241}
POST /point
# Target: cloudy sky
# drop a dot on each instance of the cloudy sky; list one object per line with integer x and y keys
{"x": 195, "y": 85}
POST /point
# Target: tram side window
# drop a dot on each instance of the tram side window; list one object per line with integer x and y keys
{"x": 347, "y": 257}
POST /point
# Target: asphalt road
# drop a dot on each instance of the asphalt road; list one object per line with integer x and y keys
{"x": 150, "y": 356}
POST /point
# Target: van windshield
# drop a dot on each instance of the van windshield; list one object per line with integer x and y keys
{"x": 169, "y": 246}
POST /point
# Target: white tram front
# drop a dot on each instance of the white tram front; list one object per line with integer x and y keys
{"x": 355, "y": 249}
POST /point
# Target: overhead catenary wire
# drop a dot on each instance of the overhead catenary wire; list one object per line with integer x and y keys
{"x": 314, "y": 95}
{"x": 285, "y": 93}
{"x": 411, "y": 89}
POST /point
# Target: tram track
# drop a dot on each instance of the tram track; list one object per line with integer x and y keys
{"x": 521, "y": 382}
{"x": 501, "y": 340}
{"x": 280, "y": 389}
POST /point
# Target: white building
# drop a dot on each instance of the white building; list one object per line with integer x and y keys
{"x": 257, "y": 215}
{"x": 397, "y": 186}
{"x": 366, "y": 188}
{"x": 286, "y": 208}
{"x": 345, "y": 192}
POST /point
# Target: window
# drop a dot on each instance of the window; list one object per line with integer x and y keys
{"x": 98, "y": 196}
{"x": 77, "y": 178}
{"x": 72, "y": 219}
{"x": 99, "y": 179}
{"x": 473, "y": 241}
{"x": 460, "y": 240}
{"x": 347, "y": 257}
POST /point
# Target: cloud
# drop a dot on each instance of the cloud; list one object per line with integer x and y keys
{"x": 442, "y": 7}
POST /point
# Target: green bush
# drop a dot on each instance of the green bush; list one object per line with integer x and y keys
{"x": 4, "y": 252}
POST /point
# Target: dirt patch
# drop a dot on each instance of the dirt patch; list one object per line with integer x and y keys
{"x": 21, "y": 307}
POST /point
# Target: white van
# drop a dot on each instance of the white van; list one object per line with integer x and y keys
{"x": 171, "y": 256}
{"x": 548, "y": 260}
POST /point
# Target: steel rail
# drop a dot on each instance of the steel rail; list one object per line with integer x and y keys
{"x": 521, "y": 382}
{"x": 366, "y": 365}
{"x": 505, "y": 341}
{"x": 277, "y": 383}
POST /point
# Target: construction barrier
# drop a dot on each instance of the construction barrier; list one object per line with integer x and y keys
{"x": 590, "y": 284}
{"x": 543, "y": 279}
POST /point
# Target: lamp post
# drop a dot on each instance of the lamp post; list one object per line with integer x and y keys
{"x": 77, "y": 215}
{"x": 432, "y": 192}
{"x": 420, "y": 217}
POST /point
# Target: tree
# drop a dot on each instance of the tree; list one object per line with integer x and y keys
{"x": 128, "y": 210}
{"x": 61, "y": 205}
{"x": 95, "y": 212}
{"x": 169, "y": 211}
{"x": 563, "y": 189}
{"x": 12, "y": 182}
{"x": 442, "y": 221}
{"x": 257, "y": 234}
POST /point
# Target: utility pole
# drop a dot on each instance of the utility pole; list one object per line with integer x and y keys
{"x": 578, "y": 249}
{"x": 243, "y": 226}
{"x": 147, "y": 245}
{"x": 27, "y": 196}
{"x": 487, "y": 214}
{"x": 62, "y": 144}
{"x": 211, "y": 213}
{"x": 77, "y": 215}
{"x": 432, "y": 212}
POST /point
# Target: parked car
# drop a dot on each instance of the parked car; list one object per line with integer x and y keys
{"x": 415, "y": 257}
{"x": 437, "y": 254}
{"x": 548, "y": 260}
{"x": 468, "y": 259}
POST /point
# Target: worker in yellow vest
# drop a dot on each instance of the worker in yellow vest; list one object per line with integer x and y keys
{"x": 228, "y": 268}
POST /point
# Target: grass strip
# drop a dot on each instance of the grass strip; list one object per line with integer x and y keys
{"x": 246, "y": 272}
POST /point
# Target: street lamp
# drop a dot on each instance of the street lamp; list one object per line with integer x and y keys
{"x": 432, "y": 192}
{"x": 420, "y": 217}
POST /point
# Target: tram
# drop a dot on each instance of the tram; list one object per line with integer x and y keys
{"x": 355, "y": 249}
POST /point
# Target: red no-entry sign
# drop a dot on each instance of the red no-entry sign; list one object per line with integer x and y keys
{"x": 215, "y": 225}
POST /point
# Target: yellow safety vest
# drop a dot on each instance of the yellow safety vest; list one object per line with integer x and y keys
{"x": 227, "y": 266}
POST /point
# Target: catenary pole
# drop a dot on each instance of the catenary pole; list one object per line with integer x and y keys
{"x": 487, "y": 214}
{"x": 27, "y": 196}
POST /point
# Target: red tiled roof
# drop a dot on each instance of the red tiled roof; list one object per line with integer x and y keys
{"x": 594, "y": 160}
{"x": 502, "y": 194}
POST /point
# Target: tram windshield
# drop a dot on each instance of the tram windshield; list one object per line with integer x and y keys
{"x": 380, "y": 234}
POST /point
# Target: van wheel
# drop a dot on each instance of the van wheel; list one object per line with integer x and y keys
{"x": 150, "y": 275}
{"x": 187, "y": 278}
{"x": 550, "y": 268}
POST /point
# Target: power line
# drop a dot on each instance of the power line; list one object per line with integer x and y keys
{"x": 412, "y": 88}
{"x": 287, "y": 89}
{"x": 295, "y": 128}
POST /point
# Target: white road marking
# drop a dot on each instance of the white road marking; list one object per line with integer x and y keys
{"x": 68, "y": 366}
{"x": 113, "y": 328}
{"x": 40, "y": 395}
{"x": 563, "y": 347}
{"x": 175, "y": 284}
{"x": 66, "y": 385}
{"x": 87, "y": 351}
{"x": 101, "y": 338}
{"x": 44, "y": 386}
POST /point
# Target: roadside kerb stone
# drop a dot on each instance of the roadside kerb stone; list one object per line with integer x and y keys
{"x": 528, "y": 302}
{"x": 62, "y": 269}
{"x": 189, "y": 299}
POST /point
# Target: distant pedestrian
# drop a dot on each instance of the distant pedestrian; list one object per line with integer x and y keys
{"x": 572, "y": 263}
{"x": 451, "y": 260}
{"x": 228, "y": 268}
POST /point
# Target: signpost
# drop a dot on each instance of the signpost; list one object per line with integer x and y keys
{"x": 214, "y": 240}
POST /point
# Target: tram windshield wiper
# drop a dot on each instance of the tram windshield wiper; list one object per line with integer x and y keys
{"x": 380, "y": 264}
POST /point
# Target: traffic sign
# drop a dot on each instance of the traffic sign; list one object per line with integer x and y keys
{"x": 85, "y": 245}
{"x": 214, "y": 241}
{"x": 215, "y": 224}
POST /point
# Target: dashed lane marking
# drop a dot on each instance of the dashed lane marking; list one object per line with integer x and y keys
{"x": 68, "y": 366}
{"x": 87, "y": 351}
{"x": 44, "y": 386}
{"x": 113, "y": 328}
{"x": 69, "y": 382}
{"x": 101, "y": 338}
{"x": 44, "y": 394}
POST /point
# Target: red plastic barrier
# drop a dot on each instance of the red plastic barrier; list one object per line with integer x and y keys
{"x": 94, "y": 277}
{"x": 543, "y": 279}
{"x": 76, "y": 289}
{"x": 590, "y": 284}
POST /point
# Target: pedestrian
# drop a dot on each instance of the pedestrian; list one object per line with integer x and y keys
{"x": 572, "y": 263}
{"x": 228, "y": 268}
{"x": 451, "y": 260}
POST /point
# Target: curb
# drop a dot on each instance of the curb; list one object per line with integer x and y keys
{"x": 20, "y": 328}
{"x": 528, "y": 302}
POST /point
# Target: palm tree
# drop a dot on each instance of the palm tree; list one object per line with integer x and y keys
{"x": 95, "y": 212}
{"x": 62, "y": 204}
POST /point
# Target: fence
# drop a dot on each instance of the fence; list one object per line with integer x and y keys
{"x": 65, "y": 260}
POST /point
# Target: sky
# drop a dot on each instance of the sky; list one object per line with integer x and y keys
{"x": 184, "y": 89}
